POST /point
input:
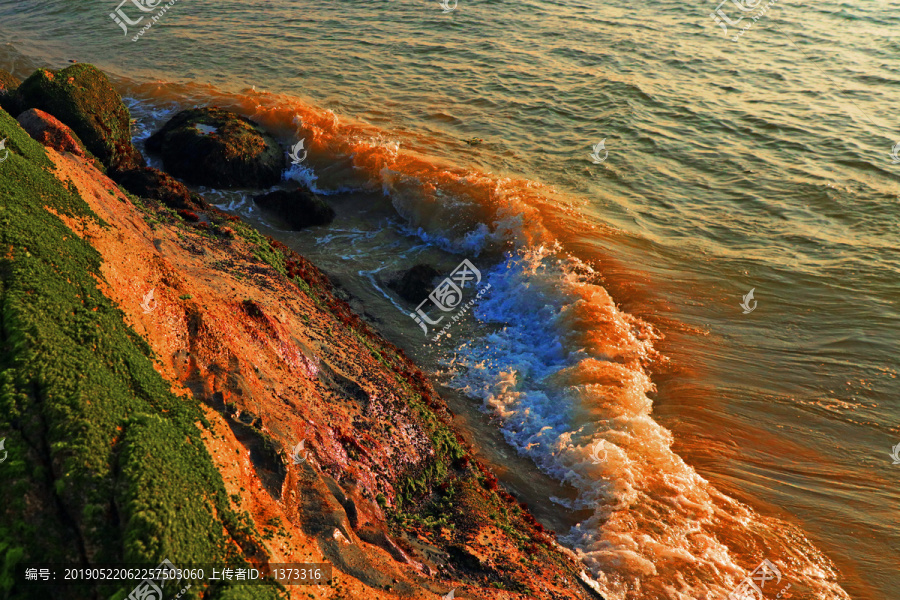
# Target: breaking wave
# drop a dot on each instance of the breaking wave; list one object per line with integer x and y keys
{"x": 565, "y": 370}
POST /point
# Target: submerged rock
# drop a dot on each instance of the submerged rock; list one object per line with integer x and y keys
{"x": 415, "y": 284}
{"x": 213, "y": 147}
{"x": 50, "y": 131}
{"x": 82, "y": 97}
{"x": 298, "y": 208}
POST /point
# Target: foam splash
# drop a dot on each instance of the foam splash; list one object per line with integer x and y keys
{"x": 566, "y": 372}
{"x": 463, "y": 210}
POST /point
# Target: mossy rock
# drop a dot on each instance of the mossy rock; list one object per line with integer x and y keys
{"x": 216, "y": 148}
{"x": 148, "y": 182}
{"x": 106, "y": 464}
{"x": 8, "y": 82}
{"x": 8, "y": 85}
{"x": 82, "y": 97}
{"x": 297, "y": 208}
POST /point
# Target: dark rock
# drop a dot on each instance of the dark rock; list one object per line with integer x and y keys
{"x": 148, "y": 182}
{"x": 298, "y": 208}
{"x": 415, "y": 284}
{"x": 50, "y": 131}
{"x": 8, "y": 85}
{"x": 349, "y": 505}
{"x": 378, "y": 537}
{"x": 8, "y": 82}
{"x": 213, "y": 147}
{"x": 247, "y": 418}
{"x": 343, "y": 386}
{"x": 82, "y": 97}
{"x": 253, "y": 309}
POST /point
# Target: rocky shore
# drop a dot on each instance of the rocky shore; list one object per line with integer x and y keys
{"x": 176, "y": 385}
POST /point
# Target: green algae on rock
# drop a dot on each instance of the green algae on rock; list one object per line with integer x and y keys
{"x": 82, "y": 97}
{"x": 78, "y": 390}
{"x": 105, "y": 462}
{"x": 147, "y": 182}
{"x": 217, "y": 148}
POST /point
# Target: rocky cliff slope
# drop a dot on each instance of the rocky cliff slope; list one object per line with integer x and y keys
{"x": 175, "y": 385}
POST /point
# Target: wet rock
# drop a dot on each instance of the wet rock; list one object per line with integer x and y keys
{"x": 148, "y": 182}
{"x": 50, "y": 131}
{"x": 8, "y": 85}
{"x": 415, "y": 284}
{"x": 298, "y": 208}
{"x": 82, "y": 97}
{"x": 216, "y": 148}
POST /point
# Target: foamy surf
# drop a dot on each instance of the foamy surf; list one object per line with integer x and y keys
{"x": 565, "y": 374}
{"x": 562, "y": 367}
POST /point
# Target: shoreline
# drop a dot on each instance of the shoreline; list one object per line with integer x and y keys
{"x": 270, "y": 118}
{"x": 386, "y": 477}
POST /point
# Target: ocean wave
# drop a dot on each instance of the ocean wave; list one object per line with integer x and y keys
{"x": 562, "y": 366}
{"x": 565, "y": 372}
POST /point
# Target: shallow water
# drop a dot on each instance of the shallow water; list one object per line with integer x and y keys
{"x": 614, "y": 315}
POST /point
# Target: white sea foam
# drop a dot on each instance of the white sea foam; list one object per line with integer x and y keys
{"x": 563, "y": 373}
{"x": 563, "y": 370}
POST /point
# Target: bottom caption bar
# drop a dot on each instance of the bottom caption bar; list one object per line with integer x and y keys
{"x": 166, "y": 575}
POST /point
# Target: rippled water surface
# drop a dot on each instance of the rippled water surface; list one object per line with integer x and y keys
{"x": 691, "y": 439}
